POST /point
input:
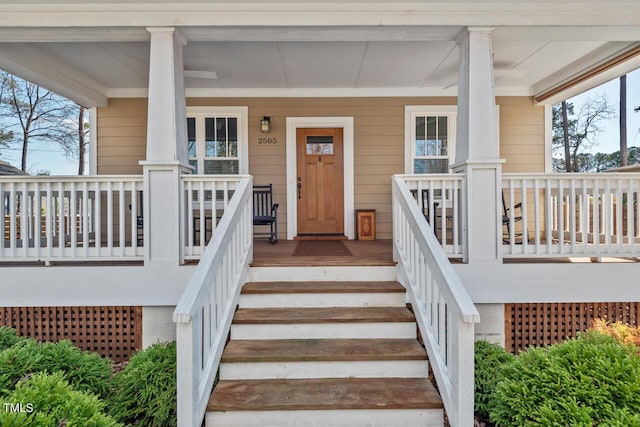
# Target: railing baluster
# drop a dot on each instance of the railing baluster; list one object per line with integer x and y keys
{"x": 98, "y": 217}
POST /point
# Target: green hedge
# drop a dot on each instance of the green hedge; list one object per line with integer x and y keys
{"x": 85, "y": 371}
{"x": 589, "y": 381}
{"x": 144, "y": 392}
{"x": 48, "y": 401}
{"x": 489, "y": 360}
{"x": 8, "y": 337}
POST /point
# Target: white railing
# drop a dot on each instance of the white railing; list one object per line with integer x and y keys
{"x": 71, "y": 218}
{"x": 204, "y": 199}
{"x": 443, "y": 309}
{"x": 205, "y": 310}
{"x": 571, "y": 215}
{"x": 438, "y": 196}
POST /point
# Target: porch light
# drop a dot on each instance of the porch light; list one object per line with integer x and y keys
{"x": 265, "y": 124}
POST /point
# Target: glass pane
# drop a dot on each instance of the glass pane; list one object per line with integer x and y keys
{"x": 192, "y": 148}
{"x": 430, "y": 166}
{"x": 419, "y": 127}
{"x": 320, "y": 144}
{"x": 233, "y": 148}
{"x": 420, "y": 135}
{"x": 431, "y": 127}
{"x": 232, "y": 124}
{"x": 443, "y": 136}
{"x": 209, "y": 143}
{"x": 191, "y": 136}
{"x": 215, "y": 167}
{"x": 194, "y": 163}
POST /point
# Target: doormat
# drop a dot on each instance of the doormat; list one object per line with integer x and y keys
{"x": 321, "y": 248}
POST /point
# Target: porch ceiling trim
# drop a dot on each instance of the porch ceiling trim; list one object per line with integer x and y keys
{"x": 39, "y": 67}
{"x": 267, "y": 13}
{"x": 609, "y": 67}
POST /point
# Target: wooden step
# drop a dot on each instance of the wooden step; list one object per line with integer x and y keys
{"x": 322, "y": 350}
{"x": 323, "y": 323}
{"x": 321, "y": 287}
{"x": 325, "y": 394}
{"x": 281, "y": 316}
{"x": 322, "y": 294}
{"x": 324, "y": 358}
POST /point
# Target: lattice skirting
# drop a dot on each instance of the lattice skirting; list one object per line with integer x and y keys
{"x": 548, "y": 323}
{"x": 114, "y": 332}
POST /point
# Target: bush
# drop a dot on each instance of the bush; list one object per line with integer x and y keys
{"x": 8, "y": 337}
{"x": 489, "y": 360}
{"x": 85, "y": 371}
{"x": 624, "y": 333}
{"x": 591, "y": 380}
{"x": 48, "y": 400}
{"x": 144, "y": 392}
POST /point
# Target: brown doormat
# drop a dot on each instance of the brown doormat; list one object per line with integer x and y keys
{"x": 321, "y": 248}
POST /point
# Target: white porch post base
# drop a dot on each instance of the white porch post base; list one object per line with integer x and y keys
{"x": 162, "y": 213}
{"x": 481, "y": 218}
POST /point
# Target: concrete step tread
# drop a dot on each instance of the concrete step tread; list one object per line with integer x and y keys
{"x": 322, "y": 315}
{"x": 321, "y": 287}
{"x": 313, "y": 350}
{"x": 324, "y": 394}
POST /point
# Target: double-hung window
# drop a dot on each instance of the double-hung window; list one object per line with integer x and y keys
{"x": 430, "y": 134}
{"x": 217, "y": 140}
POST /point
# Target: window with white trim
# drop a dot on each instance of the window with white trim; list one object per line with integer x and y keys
{"x": 217, "y": 140}
{"x": 430, "y": 136}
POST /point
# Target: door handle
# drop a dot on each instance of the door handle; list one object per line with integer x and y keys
{"x": 299, "y": 189}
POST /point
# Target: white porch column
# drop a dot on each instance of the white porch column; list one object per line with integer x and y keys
{"x": 477, "y": 149}
{"x": 166, "y": 148}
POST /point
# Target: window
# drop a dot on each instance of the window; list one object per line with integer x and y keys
{"x": 217, "y": 140}
{"x": 429, "y": 138}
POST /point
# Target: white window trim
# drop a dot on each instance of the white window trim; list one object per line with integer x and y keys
{"x": 410, "y": 114}
{"x": 346, "y": 123}
{"x": 242, "y": 115}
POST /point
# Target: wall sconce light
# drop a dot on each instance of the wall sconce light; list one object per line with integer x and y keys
{"x": 265, "y": 124}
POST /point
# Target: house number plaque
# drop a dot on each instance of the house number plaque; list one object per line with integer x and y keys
{"x": 269, "y": 141}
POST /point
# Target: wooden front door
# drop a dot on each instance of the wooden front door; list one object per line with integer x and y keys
{"x": 320, "y": 181}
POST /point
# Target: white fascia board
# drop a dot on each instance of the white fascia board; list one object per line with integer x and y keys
{"x": 552, "y": 282}
{"x": 313, "y": 92}
{"x": 59, "y": 35}
{"x": 37, "y": 66}
{"x": 599, "y": 56}
{"x": 269, "y": 13}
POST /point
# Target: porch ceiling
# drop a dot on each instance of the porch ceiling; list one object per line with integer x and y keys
{"x": 92, "y": 64}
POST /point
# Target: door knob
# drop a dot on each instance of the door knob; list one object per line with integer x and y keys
{"x": 299, "y": 189}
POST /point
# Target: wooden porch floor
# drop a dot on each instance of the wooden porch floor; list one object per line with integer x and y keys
{"x": 363, "y": 253}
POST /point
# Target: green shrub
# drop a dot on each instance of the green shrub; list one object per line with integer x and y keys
{"x": 8, "y": 337}
{"x": 588, "y": 381}
{"x": 489, "y": 360}
{"x": 48, "y": 400}
{"x": 144, "y": 392}
{"x": 85, "y": 371}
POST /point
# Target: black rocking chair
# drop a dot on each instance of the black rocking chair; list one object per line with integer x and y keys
{"x": 265, "y": 212}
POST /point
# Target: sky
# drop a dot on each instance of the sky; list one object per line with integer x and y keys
{"x": 53, "y": 160}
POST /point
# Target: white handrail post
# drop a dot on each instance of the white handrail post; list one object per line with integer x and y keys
{"x": 166, "y": 157}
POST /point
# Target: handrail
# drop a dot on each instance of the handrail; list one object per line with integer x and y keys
{"x": 71, "y": 217}
{"x": 574, "y": 214}
{"x": 444, "y": 311}
{"x": 204, "y": 313}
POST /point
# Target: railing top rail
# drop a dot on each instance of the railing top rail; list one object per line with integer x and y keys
{"x": 572, "y": 175}
{"x": 458, "y": 294}
{"x": 211, "y": 257}
{"x": 220, "y": 178}
{"x": 431, "y": 176}
{"x": 71, "y": 178}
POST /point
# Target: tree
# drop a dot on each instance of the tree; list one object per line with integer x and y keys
{"x": 573, "y": 132}
{"x": 33, "y": 114}
{"x": 623, "y": 121}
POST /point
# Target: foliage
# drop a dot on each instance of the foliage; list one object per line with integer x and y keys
{"x": 599, "y": 162}
{"x": 622, "y": 332}
{"x": 49, "y": 400}
{"x": 591, "y": 380}
{"x": 144, "y": 392}
{"x": 489, "y": 360}
{"x": 84, "y": 370}
{"x": 8, "y": 337}
{"x": 583, "y": 128}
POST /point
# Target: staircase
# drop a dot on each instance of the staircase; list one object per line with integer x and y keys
{"x": 324, "y": 354}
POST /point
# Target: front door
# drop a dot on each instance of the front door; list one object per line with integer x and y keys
{"x": 320, "y": 181}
